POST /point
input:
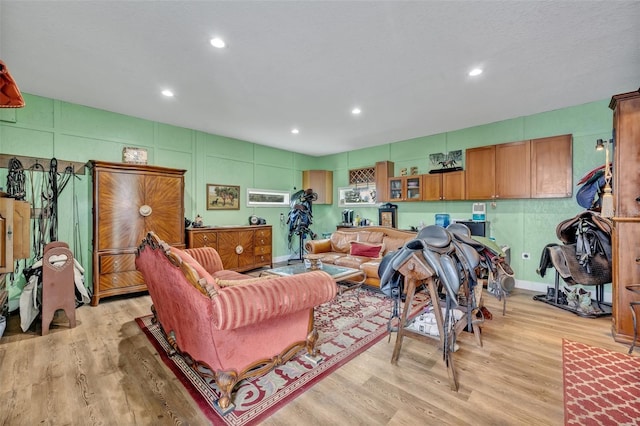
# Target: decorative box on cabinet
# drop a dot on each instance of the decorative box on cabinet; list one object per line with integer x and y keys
{"x": 626, "y": 220}
{"x": 384, "y": 170}
{"x": 241, "y": 248}
{"x": 321, "y": 181}
{"x": 405, "y": 188}
{"x": 443, "y": 186}
{"x": 129, "y": 201}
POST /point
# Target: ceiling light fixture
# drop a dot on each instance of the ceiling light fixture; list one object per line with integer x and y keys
{"x": 168, "y": 93}
{"x": 356, "y": 111}
{"x": 295, "y": 131}
{"x": 475, "y": 72}
{"x": 218, "y": 42}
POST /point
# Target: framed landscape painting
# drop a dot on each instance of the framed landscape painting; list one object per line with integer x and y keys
{"x": 223, "y": 197}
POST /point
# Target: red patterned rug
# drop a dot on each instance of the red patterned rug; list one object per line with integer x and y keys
{"x": 346, "y": 328}
{"x": 601, "y": 387}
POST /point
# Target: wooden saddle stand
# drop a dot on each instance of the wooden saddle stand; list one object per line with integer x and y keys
{"x": 416, "y": 274}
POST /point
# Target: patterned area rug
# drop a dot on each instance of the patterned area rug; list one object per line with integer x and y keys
{"x": 601, "y": 387}
{"x": 346, "y": 329}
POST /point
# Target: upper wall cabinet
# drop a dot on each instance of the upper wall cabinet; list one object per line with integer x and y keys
{"x": 405, "y": 188}
{"x": 443, "y": 186}
{"x": 321, "y": 181}
{"x": 537, "y": 168}
{"x": 384, "y": 170}
{"x": 552, "y": 167}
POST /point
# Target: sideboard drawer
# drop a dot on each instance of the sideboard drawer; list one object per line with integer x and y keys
{"x": 204, "y": 239}
{"x": 121, "y": 280}
{"x": 112, "y": 263}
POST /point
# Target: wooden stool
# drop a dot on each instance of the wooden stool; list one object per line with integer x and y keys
{"x": 58, "y": 287}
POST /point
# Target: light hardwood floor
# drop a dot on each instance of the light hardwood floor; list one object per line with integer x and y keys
{"x": 105, "y": 372}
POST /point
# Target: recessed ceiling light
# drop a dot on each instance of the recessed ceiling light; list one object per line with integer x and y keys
{"x": 168, "y": 93}
{"x": 218, "y": 42}
{"x": 356, "y": 111}
{"x": 475, "y": 72}
{"x": 295, "y": 131}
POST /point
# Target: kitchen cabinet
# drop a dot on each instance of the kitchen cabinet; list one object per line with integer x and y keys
{"x": 480, "y": 172}
{"x": 626, "y": 221}
{"x": 536, "y": 168}
{"x": 448, "y": 186}
{"x": 552, "y": 167}
{"x": 405, "y": 188}
{"x": 384, "y": 170}
{"x": 513, "y": 170}
{"x": 321, "y": 181}
{"x": 241, "y": 248}
{"x": 129, "y": 201}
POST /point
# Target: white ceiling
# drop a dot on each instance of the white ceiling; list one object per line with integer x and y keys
{"x": 306, "y": 64}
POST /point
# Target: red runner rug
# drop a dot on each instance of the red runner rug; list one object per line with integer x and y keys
{"x": 346, "y": 328}
{"x": 601, "y": 387}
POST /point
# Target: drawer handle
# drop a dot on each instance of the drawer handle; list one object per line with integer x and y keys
{"x": 145, "y": 210}
{"x": 239, "y": 249}
{"x": 204, "y": 237}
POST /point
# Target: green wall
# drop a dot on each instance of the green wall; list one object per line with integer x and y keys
{"x": 52, "y": 128}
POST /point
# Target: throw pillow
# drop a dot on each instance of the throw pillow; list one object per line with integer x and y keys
{"x": 366, "y": 250}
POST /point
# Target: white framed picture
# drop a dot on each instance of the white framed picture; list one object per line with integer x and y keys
{"x": 354, "y": 196}
{"x": 267, "y": 198}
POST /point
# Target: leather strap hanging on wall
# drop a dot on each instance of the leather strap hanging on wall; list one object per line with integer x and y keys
{"x": 10, "y": 96}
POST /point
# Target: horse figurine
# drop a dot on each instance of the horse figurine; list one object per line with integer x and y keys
{"x": 447, "y": 164}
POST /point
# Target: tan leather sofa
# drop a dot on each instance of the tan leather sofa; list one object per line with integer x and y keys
{"x": 337, "y": 249}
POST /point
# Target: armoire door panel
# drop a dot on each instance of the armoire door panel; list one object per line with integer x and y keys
{"x": 164, "y": 195}
{"x": 119, "y": 196}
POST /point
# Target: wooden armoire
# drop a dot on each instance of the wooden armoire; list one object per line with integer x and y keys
{"x": 130, "y": 200}
{"x": 626, "y": 220}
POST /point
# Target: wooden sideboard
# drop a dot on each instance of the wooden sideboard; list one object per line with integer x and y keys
{"x": 241, "y": 248}
{"x": 129, "y": 201}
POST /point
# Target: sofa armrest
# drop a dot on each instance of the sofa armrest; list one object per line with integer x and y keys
{"x": 243, "y": 305}
{"x": 318, "y": 246}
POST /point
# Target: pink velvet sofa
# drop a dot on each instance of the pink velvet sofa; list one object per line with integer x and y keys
{"x": 236, "y": 325}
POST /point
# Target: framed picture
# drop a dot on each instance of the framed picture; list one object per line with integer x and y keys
{"x": 223, "y": 197}
{"x": 351, "y": 196}
{"x": 267, "y": 198}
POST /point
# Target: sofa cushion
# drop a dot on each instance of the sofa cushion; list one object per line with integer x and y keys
{"x": 393, "y": 244}
{"x": 370, "y": 236}
{"x": 340, "y": 241}
{"x": 332, "y": 257}
{"x": 353, "y": 262}
{"x": 365, "y": 249}
{"x": 370, "y": 268}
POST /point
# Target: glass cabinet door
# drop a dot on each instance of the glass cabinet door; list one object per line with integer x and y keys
{"x": 413, "y": 188}
{"x": 395, "y": 189}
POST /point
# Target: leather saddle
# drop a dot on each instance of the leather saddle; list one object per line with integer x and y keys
{"x": 452, "y": 259}
{"x": 585, "y": 255}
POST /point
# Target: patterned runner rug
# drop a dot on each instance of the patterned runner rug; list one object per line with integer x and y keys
{"x": 601, "y": 387}
{"x": 346, "y": 328}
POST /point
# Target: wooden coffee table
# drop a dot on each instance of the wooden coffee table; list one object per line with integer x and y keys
{"x": 346, "y": 278}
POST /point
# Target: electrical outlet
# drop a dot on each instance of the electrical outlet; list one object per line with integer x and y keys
{"x": 526, "y": 256}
